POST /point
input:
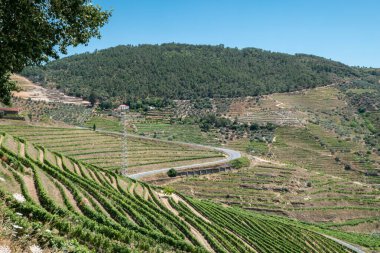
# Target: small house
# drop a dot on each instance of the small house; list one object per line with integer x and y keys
{"x": 122, "y": 108}
{"x": 10, "y": 111}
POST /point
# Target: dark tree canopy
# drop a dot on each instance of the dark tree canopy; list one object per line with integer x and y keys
{"x": 180, "y": 71}
{"x": 34, "y": 31}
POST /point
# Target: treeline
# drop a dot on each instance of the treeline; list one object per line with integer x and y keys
{"x": 134, "y": 103}
{"x": 181, "y": 71}
{"x": 211, "y": 121}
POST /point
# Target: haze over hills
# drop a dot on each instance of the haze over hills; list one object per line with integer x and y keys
{"x": 181, "y": 71}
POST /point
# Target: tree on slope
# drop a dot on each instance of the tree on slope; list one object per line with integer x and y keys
{"x": 34, "y": 31}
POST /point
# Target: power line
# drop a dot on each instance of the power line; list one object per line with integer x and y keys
{"x": 124, "y": 157}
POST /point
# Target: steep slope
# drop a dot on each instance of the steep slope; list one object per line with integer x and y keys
{"x": 180, "y": 71}
{"x": 77, "y": 207}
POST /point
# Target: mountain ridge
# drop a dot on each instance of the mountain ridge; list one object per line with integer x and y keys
{"x": 183, "y": 71}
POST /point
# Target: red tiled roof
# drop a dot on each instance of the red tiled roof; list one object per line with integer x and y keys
{"x": 10, "y": 109}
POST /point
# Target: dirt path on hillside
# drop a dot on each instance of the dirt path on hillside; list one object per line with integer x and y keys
{"x": 59, "y": 162}
{"x": 178, "y": 199}
{"x": 114, "y": 184}
{"x": 279, "y": 104}
{"x": 131, "y": 188}
{"x": 36, "y": 92}
{"x": 77, "y": 170}
{"x": 139, "y": 190}
{"x": 22, "y": 149}
{"x": 239, "y": 237}
{"x": 256, "y": 160}
{"x": 41, "y": 155}
{"x": 94, "y": 177}
{"x": 29, "y": 183}
{"x": 164, "y": 200}
{"x": 70, "y": 197}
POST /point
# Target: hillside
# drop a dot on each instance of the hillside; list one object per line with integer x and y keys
{"x": 181, "y": 71}
{"x": 314, "y": 170}
{"x": 76, "y": 207}
{"x": 105, "y": 150}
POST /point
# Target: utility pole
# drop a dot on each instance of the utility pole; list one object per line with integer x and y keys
{"x": 124, "y": 156}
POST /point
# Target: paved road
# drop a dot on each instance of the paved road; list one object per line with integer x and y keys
{"x": 345, "y": 244}
{"x": 229, "y": 155}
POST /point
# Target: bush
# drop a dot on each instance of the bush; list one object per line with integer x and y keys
{"x": 362, "y": 110}
{"x": 240, "y": 163}
{"x": 172, "y": 173}
{"x": 168, "y": 191}
{"x": 347, "y": 167}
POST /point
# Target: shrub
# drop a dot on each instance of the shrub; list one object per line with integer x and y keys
{"x": 347, "y": 167}
{"x": 362, "y": 110}
{"x": 240, "y": 163}
{"x": 168, "y": 191}
{"x": 172, "y": 173}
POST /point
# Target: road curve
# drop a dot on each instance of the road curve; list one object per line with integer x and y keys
{"x": 229, "y": 155}
{"x": 345, "y": 244}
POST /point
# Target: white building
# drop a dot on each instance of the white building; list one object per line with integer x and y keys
{"x": 122, "y": 108}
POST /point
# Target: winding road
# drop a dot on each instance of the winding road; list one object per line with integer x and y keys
{"x": 345, "y": 244}
{"x": 229, "y": 155}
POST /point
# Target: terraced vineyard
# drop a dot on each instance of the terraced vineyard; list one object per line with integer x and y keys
{"x": 326, "y": 200}
{"x": 104, "y": 150}
{"x": 105, "y": 123}
{"x": 264, "y": 110}
{"x": 319, "y": 150}
{"x": 314, "y": 182}
{"x": 156, "y": 128}
{"x": 77, "y": 207}
{"x": 41, "y": 111}
{"x": 291, "y": 191}
{"x": 319, "y": 99}
{"x": 185, "y": 133}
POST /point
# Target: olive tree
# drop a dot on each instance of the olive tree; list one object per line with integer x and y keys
{"x": 35, "y": 31}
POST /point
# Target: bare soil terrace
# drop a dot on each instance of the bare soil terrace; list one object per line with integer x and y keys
{"x": 35, "y": 92}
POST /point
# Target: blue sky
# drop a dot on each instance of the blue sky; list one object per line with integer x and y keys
{"x": 342, "y": 30}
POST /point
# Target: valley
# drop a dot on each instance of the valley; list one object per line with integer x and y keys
{"x": 312, "y": 182}
{"x": 189, "y": 126}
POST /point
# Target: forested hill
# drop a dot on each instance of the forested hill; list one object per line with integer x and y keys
{"x": 180, "y": 71}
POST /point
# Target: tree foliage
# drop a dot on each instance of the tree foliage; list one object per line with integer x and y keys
{"x": 35, "y": 31}
{"x": 240, "y": 162}
{"x": 172, "y": 173}
{"x": 181, "y": 71}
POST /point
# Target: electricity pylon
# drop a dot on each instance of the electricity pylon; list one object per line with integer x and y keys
{"x": 124, "y": 156}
